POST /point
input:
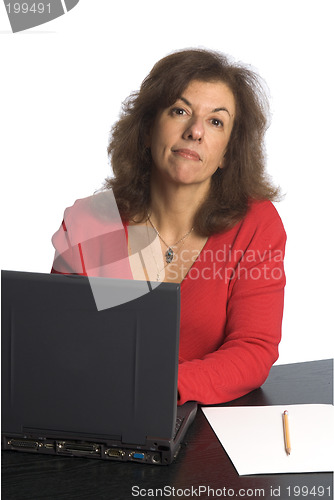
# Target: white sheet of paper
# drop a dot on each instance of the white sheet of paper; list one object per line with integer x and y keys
{"x": 253, "y": 437}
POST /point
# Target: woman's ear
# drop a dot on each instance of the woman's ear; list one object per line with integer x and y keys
{"x": 222, "y": 161}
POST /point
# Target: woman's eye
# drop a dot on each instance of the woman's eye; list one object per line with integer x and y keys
{"x": 216, "y": 122}
{"x": 178, "y": 111}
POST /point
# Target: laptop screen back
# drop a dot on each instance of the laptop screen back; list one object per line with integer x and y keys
{"x": 73, "y": 371}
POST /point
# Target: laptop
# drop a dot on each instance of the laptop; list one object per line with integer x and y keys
{"x": 82, "y": 380}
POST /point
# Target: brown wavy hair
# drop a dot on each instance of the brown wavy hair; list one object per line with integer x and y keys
{"x": 243, "y": 177}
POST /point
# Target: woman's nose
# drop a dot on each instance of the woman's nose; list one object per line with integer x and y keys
{"x": 194, "y": 130}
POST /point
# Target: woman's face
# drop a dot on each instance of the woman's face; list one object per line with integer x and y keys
{"x": 188, "y": 140}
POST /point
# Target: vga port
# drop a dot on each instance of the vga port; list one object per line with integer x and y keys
{"x": 138, "y": 455}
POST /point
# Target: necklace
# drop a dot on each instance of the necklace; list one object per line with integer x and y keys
{"x": 159, "y": 271}
{"x": 169, "y": 254}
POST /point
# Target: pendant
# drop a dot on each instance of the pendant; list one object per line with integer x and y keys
{"x": 169, "y": 255}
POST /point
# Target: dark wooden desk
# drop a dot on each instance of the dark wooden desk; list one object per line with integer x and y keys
{"x": 202, "y": 461}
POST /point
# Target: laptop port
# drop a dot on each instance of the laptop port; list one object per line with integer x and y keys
{"x": 68, "y": 447}
{"x": 156, "y": 459}
{"x": 138, "y": 455}
{"x": 49, "y": 446}
{"x": 115, "y": 453}
{"x": 27, "y": 444}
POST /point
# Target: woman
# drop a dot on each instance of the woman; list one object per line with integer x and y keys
{"x": 188, "y": 162}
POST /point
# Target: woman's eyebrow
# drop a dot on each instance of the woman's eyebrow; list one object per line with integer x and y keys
{"x": 213, "y": 111}
{"x": 221, "y": 109}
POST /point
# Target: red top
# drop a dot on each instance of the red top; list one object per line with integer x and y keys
{"x": 231, "y": 298}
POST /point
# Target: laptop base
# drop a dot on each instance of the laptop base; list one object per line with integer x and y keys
{"x": 155, "y": 451}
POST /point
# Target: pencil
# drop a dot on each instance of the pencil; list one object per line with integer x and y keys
{"x": 287, "y": 441}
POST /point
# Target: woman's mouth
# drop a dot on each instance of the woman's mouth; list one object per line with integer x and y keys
{"x": 187, "y": 153}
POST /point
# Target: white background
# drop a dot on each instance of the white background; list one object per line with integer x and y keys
{"x": 61, "y": 90}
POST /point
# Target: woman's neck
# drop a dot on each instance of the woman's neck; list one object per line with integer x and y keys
{"x": 173, "y": 209}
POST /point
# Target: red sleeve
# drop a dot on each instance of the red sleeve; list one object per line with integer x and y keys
{"x": 92, "y": 240}
{"x": 68, "y": 258}
{"x": 252, "y": 333}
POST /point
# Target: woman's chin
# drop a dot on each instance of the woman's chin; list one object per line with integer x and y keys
{"x": 187, "y": 176}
